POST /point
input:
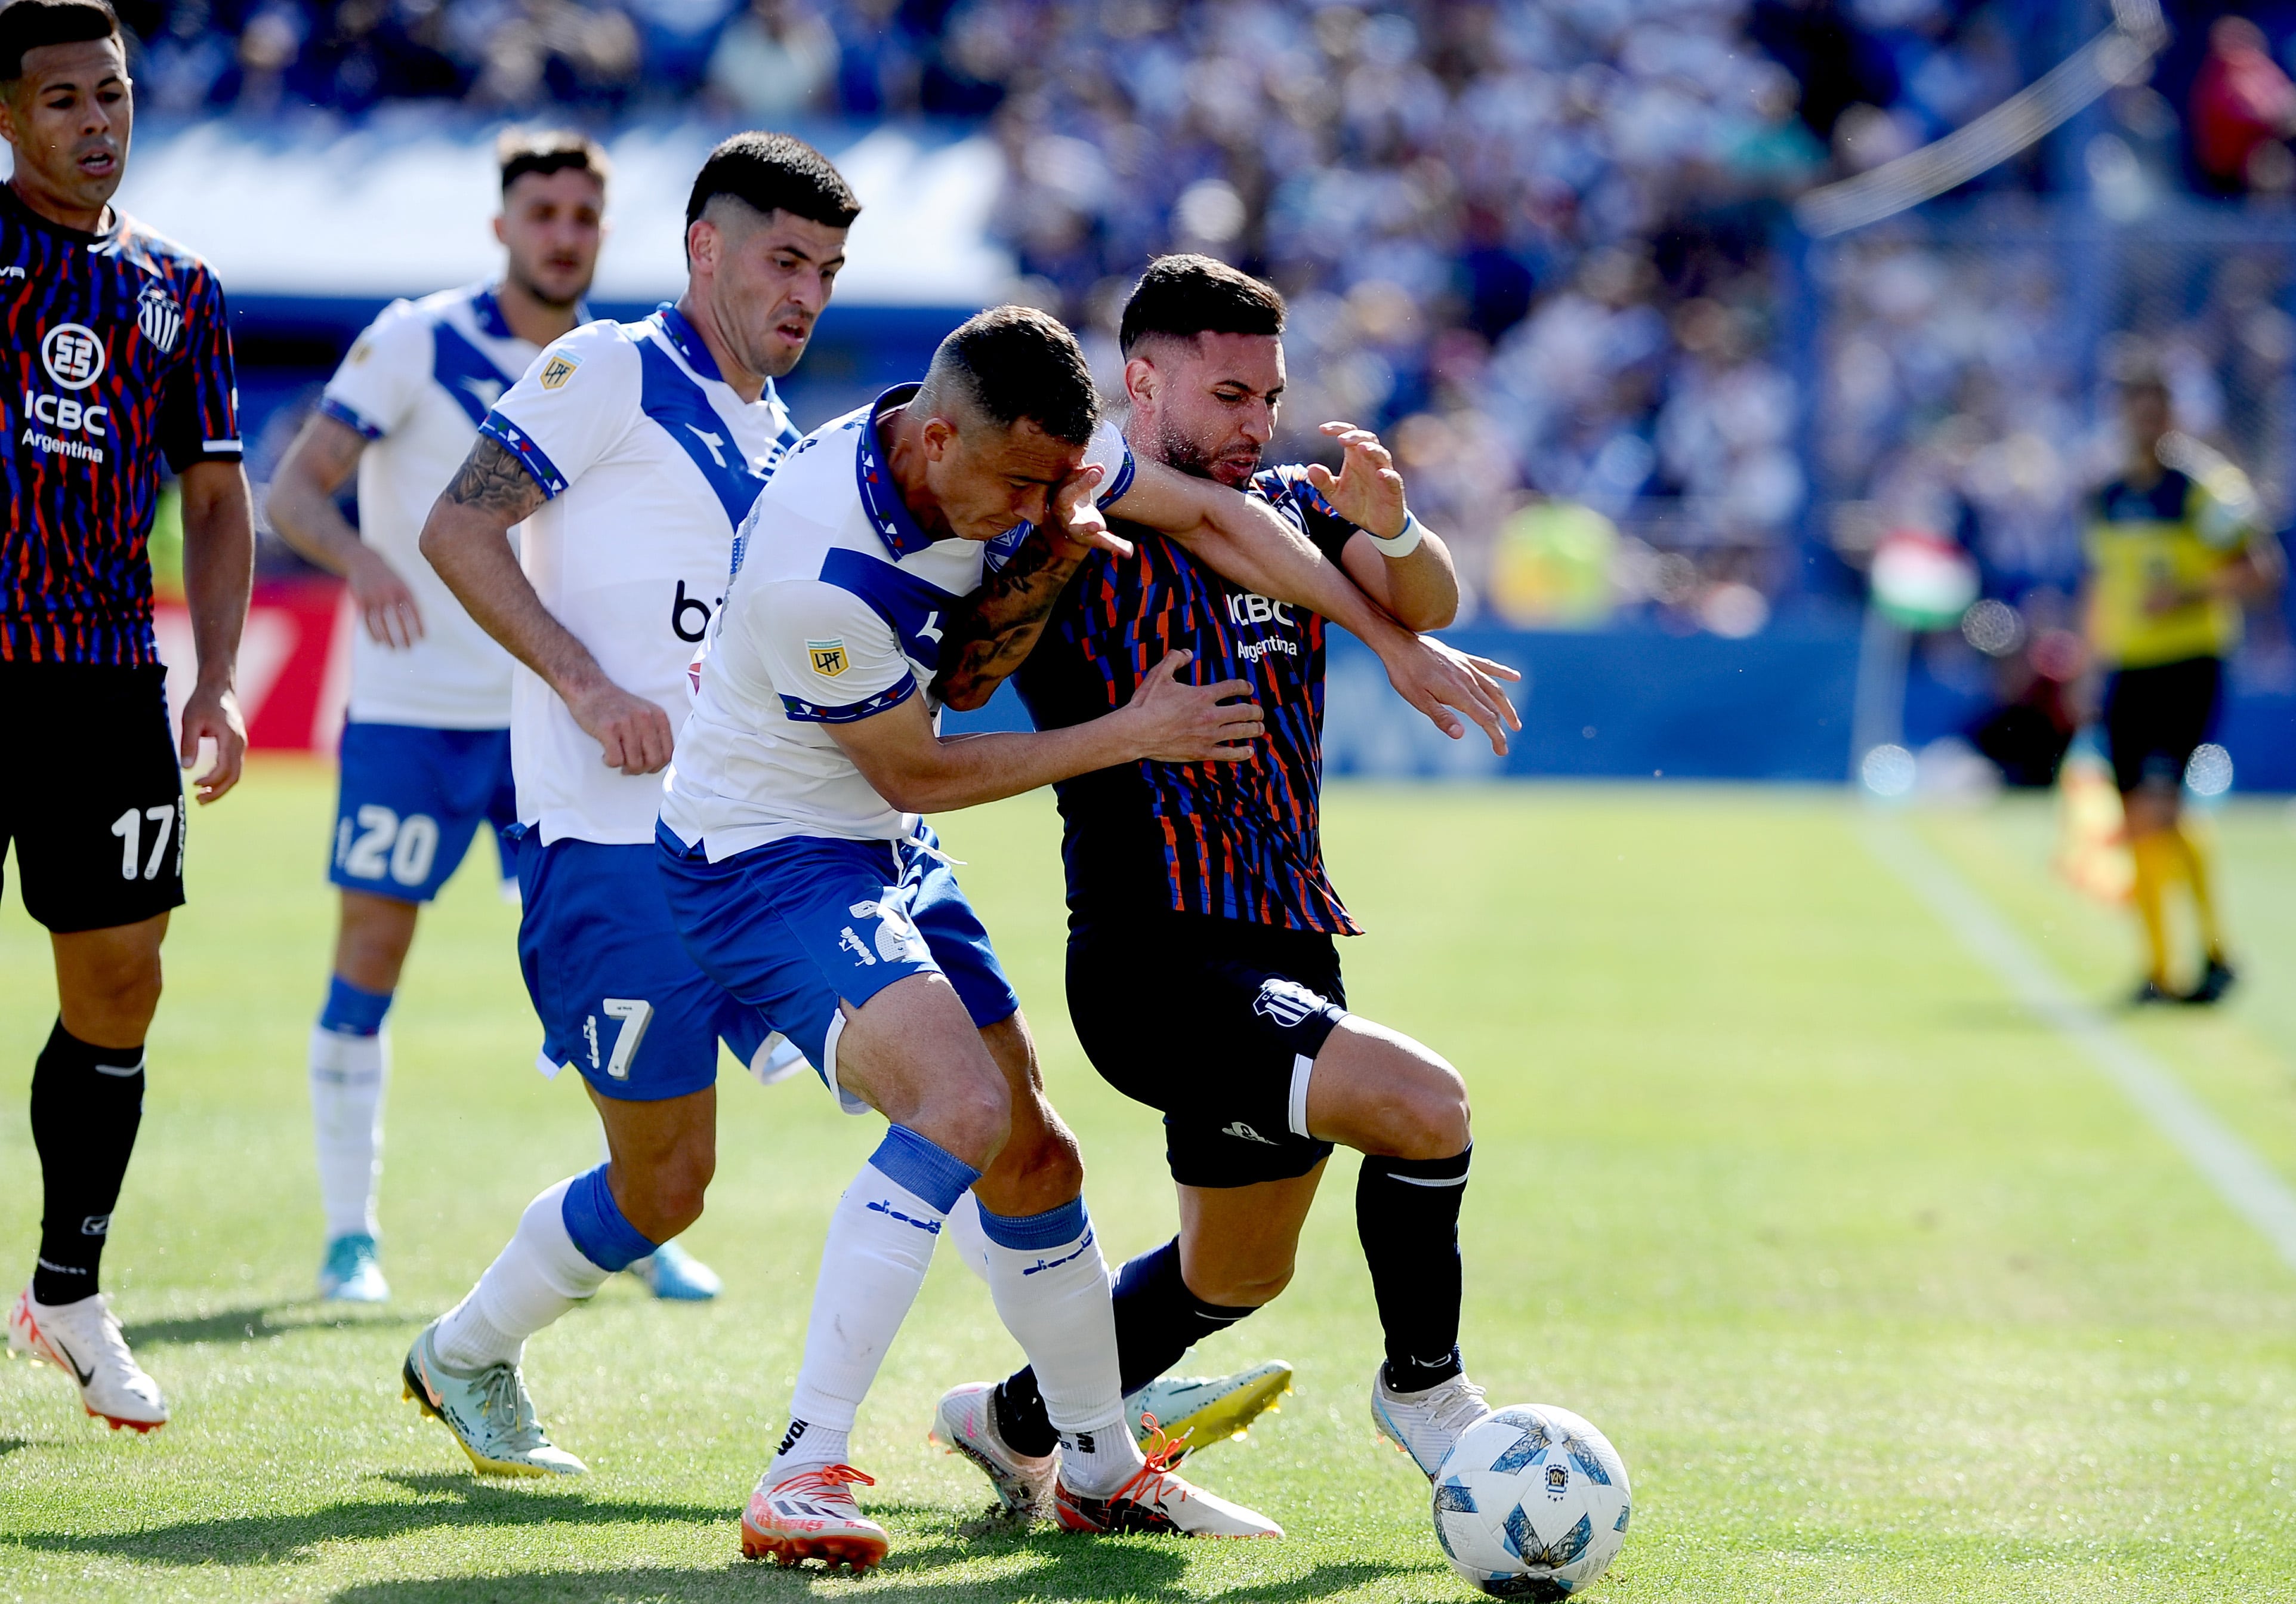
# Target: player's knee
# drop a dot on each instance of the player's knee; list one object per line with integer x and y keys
{"x": 1435, "y": 1120}
{"x": 971, "y": 1116}
{"x": 666, "y": 1197}
{"x": 117, "y": 994}
{"x": 1242, "y": 1286}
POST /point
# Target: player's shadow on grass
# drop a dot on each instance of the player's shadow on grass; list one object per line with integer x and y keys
{"x": 443, "y": 1501}
{"x": 1073, "y": 1570}
{"x": 258, "y": 1322}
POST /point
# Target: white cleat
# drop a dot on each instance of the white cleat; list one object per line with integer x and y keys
{"x": 811, "y": 1515}
{"x": 82, "y": 1339}
{"x": 1155, "y": 1500}
{"x": 965, "y": 1423}
{"x": 489, "y": 1411}
{"x": 1426, "y": 1425}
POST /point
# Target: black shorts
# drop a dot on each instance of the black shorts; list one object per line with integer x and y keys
{"x": 1217, "y": 1023}
{"x": 98, "y": 818}
{"x": 2154, "y": 717}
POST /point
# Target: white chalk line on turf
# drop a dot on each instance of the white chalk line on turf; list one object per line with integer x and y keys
{"x": 2255, "y": 1191}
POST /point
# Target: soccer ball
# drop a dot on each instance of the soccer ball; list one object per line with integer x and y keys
{"x": 1531, "y": 1502}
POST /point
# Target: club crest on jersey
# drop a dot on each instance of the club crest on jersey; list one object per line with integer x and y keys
{"x": 159, "y": 318}
{"x": 1285, "y": 1001}
{"x": 557, "y": 370}
{"x": 73, "y": 355}
{"x": 829, "y": 659}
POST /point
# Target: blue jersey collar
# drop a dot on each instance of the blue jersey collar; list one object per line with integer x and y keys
{"x": 688, "y": 340}
{"x": 486, "y": 310}
{"x": 889, "y": 516}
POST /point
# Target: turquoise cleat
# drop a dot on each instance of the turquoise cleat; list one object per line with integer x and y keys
{"x": 676, "y": 1275}
{"x": 353, "y": 1272}
{"x": 490, "y": 1413}
{"x": 1193, "y": 1413}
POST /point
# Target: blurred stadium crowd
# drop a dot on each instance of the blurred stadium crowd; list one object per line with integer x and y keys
{"x": 1542, "y": 243}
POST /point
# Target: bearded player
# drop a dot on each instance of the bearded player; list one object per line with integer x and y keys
{"x": 116, "y": 343}
{"x": 1203, "y": 887}
{"x": 426, "y": 751}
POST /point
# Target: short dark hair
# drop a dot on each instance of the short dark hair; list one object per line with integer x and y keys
{"x": 546, "y": 151}
{"x": 775, "y": 172}
{"x": 35, "y": 24}
{"x": 1009, "y": 363}
{"x": 1185, "y": 296}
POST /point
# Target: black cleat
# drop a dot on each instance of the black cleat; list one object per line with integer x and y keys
{"x": 2149, "y": 992}
{"x": 2216, "y": 979}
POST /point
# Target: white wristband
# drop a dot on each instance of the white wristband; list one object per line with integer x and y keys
{"x": 1404, "y": 544}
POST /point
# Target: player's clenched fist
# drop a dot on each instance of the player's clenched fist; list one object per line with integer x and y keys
{"x": 1182, "y": 723}
{"x": 632, "y": 733}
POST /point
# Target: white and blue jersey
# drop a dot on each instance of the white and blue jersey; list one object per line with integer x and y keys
{"x": 795, "y": 885}
{"x": 649, "y": 460}
{"x": 415, "y": 386}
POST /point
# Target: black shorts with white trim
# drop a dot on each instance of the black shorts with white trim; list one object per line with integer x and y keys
{"x": 1218, "y": 1023}
{"x": 98, "y": 827}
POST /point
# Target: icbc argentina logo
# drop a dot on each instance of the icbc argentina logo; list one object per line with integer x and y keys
{"x": 72, "y": 354}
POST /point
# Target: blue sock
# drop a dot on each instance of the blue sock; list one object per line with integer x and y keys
{"x": 351, "y": 1011}
{"x": 599, "y": 1227}
{"x": 925, "y": 1167}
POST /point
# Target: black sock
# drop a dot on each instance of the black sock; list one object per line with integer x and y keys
{"x": 1407, "y": 1215}
{"x": 86, "y": 1102}
{"x": 1157, "y": 1320}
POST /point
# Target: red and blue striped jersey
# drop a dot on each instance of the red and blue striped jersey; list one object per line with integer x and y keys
{"x": 116, "y": 353}
{"x": 1235, "y": 841}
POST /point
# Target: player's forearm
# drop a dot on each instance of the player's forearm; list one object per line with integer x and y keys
{"x": 965, "y": 771}
{"x": 1420, "y": 589}
{"x": 470, "y": 548}
{"x": 990, "y": 638}
{"x": 218, "y": 566}
{"x": 306, "y": 517}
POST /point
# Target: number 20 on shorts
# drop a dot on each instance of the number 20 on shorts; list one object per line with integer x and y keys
{"x": 381, "y": 842}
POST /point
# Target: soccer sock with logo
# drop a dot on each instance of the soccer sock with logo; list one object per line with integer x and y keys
{"x": 1408, "y": 1217}
{"x": 881, "y": 1243}
{"x": 86, "y": 1104}
{"x": 571, "y": 1238}
{"x": 1157, "y": 1320}
{"x": 350, "y": 1063}
{"x": 1051, "y": 1287}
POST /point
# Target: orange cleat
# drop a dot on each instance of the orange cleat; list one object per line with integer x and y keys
{"x": 812, "y": 1516}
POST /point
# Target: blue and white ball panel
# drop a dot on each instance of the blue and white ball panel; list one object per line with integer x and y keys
{"x": 795, "y": 926}
{"x": 409, "y": 802}
{"x": 619, "y": 999}
{"x": 1532, "y": 1503}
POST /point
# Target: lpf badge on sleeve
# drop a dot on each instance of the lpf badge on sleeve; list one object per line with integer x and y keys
{"x": 557, "y": 370}
{"x": 829, "y": 660}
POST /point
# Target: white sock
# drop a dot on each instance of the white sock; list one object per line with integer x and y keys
{"x": 347, "y": 1075}
{"x": 881, "y": 1243}
{"x": 1051, "y": 1288}
{"x": 539, "y": 1276}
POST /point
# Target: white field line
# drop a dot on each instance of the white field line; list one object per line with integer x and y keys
{"x": 2256, "y": 1192}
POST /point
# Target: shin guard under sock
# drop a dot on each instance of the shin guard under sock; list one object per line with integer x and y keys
{"x": 1407, "y": 1216}
{"x": 86, "y": 1104}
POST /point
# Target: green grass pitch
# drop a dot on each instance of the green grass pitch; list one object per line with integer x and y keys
{"x": 1880, "y": 1289}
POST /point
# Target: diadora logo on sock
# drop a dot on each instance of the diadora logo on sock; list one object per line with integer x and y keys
{"x": 95, "y": 1225}
{"x": 883, "y": 1207}
{"x": 1082, "y": 1248}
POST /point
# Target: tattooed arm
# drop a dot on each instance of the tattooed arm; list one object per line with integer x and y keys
{"x": 467, "y": 539}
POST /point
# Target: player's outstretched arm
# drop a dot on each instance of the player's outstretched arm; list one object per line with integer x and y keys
{"x": 467, "y": 539}
{"x": 302, "y": 502}
{"x": 1168, "y": 721}
{"x": 218, "y": 573}
{"x": 1412, "y": 580}
{"x": 1246, "y": 541}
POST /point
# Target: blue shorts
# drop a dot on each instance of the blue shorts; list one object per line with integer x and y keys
{"x": 794, "y": 926}
{"x": 618, "y": 996}
{"x": 411, "y": 800}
